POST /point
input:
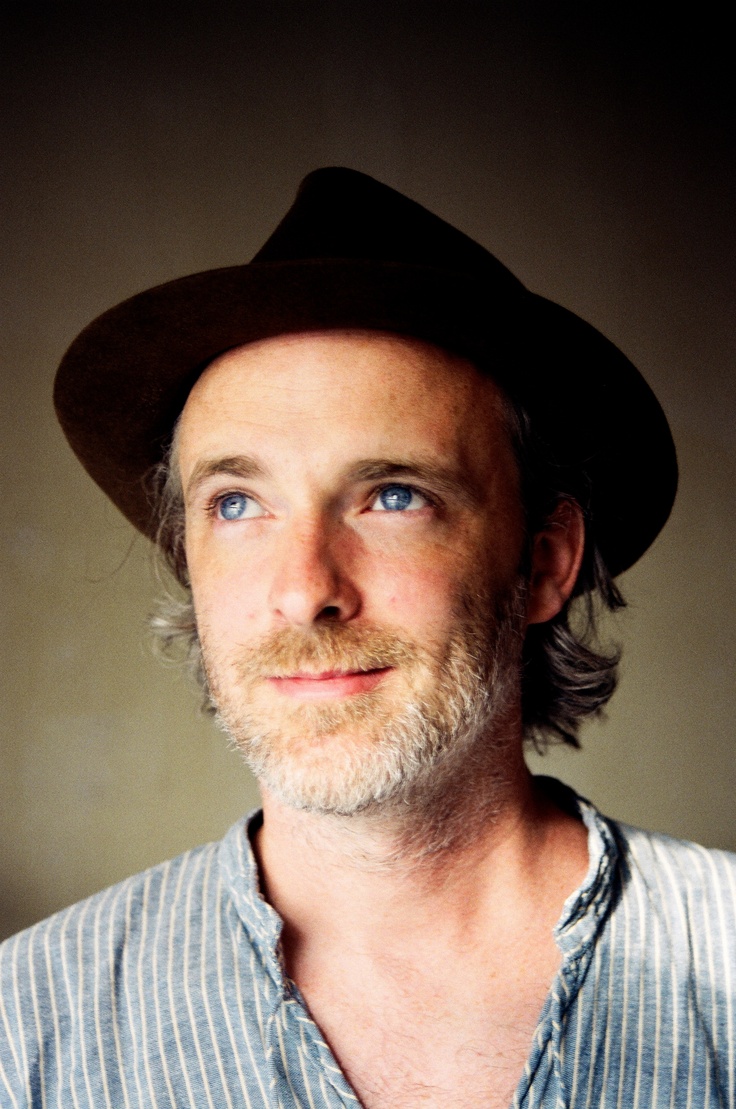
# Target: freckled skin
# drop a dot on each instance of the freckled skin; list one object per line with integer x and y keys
{"x": 308, "y": 407}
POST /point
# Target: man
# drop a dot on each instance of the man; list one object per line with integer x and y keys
{"x": 383, "y": 471}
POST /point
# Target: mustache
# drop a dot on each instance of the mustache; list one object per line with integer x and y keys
{"x": 324, "y": 647}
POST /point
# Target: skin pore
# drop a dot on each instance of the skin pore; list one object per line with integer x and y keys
{"x": 353, "y": 531}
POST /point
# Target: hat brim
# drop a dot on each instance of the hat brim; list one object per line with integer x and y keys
{"x": 124, "y": 381}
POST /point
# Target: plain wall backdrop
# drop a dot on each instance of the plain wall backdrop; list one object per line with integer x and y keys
{"x": 591, "y": 150}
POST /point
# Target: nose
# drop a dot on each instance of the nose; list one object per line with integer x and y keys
{"x": 310, "y": 578}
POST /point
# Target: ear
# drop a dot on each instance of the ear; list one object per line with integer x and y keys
{"x": 556, "y": 556}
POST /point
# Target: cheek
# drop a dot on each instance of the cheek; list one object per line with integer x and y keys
{"x": 228, "y": 599}
{"x": 414, "y": 595}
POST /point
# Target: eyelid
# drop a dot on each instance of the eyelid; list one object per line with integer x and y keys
{"x": 214, "y": 502}
{"x": 427, "y": 497}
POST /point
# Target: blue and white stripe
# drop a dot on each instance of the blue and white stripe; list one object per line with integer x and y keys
{"x": 168, "y": 990}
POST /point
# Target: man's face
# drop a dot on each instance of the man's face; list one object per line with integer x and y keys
{"x": 353, "y": 535}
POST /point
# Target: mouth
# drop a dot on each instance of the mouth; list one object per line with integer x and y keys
{"x": 329, "y": 684}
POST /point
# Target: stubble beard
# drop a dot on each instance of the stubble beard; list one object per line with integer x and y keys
{"x": 444, "y": 716}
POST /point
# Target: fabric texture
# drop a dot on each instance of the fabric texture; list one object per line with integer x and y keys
{"x": 168, "y": 990}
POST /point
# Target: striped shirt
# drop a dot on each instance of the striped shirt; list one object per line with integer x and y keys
{"x": 169, "y": 990}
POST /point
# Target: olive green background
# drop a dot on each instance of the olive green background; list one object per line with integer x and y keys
{"x": 590, "y": 151}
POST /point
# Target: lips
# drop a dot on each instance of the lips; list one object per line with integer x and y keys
{"x": 328, "y": 685}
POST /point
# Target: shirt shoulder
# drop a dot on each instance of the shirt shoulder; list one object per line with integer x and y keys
{"x": 688, "y": 867}
{"x": 677, "y": 869}
{"x": 122, "y": 906}
{"x": 133, "y": 990}
{"x": 688, "y": 895}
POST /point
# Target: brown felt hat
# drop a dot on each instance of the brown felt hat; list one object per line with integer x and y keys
{"x": 353, "y": 253}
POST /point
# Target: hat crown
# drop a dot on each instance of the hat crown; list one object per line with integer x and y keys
{"x": 342, "y": 213}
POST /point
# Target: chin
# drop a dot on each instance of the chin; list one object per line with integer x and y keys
{"x": 361, "y": 755}
{"x": 329, "y": 758}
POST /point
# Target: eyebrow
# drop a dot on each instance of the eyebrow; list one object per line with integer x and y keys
{"x": 442, "y": 478}
{"x": 240, "y": 465}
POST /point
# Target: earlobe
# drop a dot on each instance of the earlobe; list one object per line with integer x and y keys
{"x": 556, "y": 556}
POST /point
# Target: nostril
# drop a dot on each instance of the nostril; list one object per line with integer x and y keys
{"x": 330, "y": 612}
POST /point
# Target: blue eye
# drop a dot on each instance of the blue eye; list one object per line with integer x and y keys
{"x": 397, "y": 498}
{"x": 233, "y": 507}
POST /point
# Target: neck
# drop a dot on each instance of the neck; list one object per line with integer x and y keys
{"x": 486, "y": 841}
{"x": 470, "y": 793}
{"x": 423, "y": 831}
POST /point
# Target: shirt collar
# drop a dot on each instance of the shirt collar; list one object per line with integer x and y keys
{"x": 239, "y": 872}
{"x": 576, "y": 929}
{"x": 586, "y": 907}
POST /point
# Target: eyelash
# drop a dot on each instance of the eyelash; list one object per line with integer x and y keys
{"x": 212, "y": 506}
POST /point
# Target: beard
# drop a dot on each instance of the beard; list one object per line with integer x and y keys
{"x": 441, "y": 710}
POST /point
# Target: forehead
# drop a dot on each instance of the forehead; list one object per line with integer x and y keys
{"x": 332, "y": 393}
